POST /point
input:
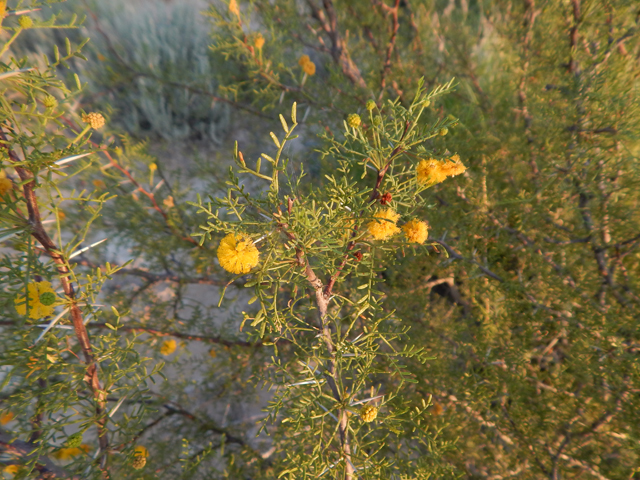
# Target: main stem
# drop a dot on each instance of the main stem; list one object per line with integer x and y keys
{"x": 40, "y": 234}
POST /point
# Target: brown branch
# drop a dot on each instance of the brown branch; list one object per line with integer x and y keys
{"x": 453, "y": 254}
{"x": 62, "y": 265}
{"x": 27, "y": 450}
{"x": 395, "y": 25}
{"x": 187, "y": 336}
{"x": 329, "y": 23}
{"x": 373, "y": 196}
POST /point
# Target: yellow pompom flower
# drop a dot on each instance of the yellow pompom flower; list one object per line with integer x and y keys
{"x": 307, "y": 65}
{"x": 259, "y": 41}
{"x": 25, "y": 21}
{"x": 432, "y": 171}
{"x": 140, "y": 457}
{"x": 96, "y": 120}
{"x": 50, "y": 101}
{"x": 237, "y": 254}
{"x": 354, "y": 120}
{"x": 68, "y": 453}
{"x": 233, "y": 8}
{"x": 416, "y": 231}
{"x": 385, "y": 227}
{"x": 168, "y": 347}
{"x": 42, "y": 300}
{"x": 5, "y": 183}
{"x": 368, "y": 413}
{"x": 6, "y": 417}
{"x": 141, "y": 451}
{"x": 11, "y": 469}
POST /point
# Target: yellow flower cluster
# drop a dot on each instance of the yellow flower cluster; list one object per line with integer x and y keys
{"x": 368, "y": 413}
{"x": 11, "y": 469}
{"x": 25, "y": 22}
{"x": 96, "y": 120}
{"x": 354, "y": 120}
{"x": 5, "y": 183}
{"x": 68, "y": 453}
{"x": 42, "y": 300}
{"x": 307, "y": 65}
{"x": 237, "y": 254}
{"x": 140, "y": 457}
{"x": 432, "y": 171}
{"x": 386, "y": 227}
{"x": 168, "y": 347}
{"x": 233, "y": 8}
{"x": 259, "y": 41}
{"x": 6, "y": 417}
{"x": 416, "y": 231}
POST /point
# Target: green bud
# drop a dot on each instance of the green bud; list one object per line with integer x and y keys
{"x": 25, "y": 22}
{"x": 50, "y": 101}
{"x": 139, "y": 462}
{"x": 371, "y": 105}
{"x": 377, "y": 120}
{"x": 47, "y": 298}
{"x": 354, "y": 120}
{"x": 74, "y": 440}
{"x": 443, "y": 131}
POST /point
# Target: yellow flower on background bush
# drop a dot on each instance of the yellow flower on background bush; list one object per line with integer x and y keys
{"x": 259, "y": 41}
{"x": 368, "y": 413}
{"x": 42, "y": 300}
{"x": 141, "y": 451}
{"x": 432, "y": 171}
{"x": 237, "y": 254}
{"x": 233, "y": 8}
{"x": 385, "y": 227}
{"x": 140, "y": 457}
{"x": 168, "y": 347}
{"x": 307, "y": 65}
{"x": 96, "y": 120}
{"x": 6, "y": 417}
{"x": 5, "y": 183}
{"x": 99, "y": 184}
{"x": 68, "y": 453}
{"x": 416, "y": 231}
{"x": 11, "y": 469}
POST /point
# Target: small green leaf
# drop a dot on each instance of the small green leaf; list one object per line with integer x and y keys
{"x": 275, "y": 139}
{"x": 285, "y": 127}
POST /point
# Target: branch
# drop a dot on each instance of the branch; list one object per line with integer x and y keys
{"x": 395, "y": 25}
{"x": 62, "y": 265}
{"x": 339, "y": 52}
{"x": 20, "y": 448}
{"x": 453, "y": 254}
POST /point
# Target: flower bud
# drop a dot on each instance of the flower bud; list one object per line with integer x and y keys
{"x": 139, "y": 462}
{"x": 354, "y": 120}
{"x": 50, "y": 101}
{"x": 371, "y": 105}
{"x": 74, "y": 441}
{"x": 368, "y": 413}
{"x": 25, "y": 21}
{"x": 96, "y": 120}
